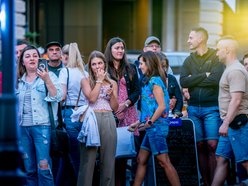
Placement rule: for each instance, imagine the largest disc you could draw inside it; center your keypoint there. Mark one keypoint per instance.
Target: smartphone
(42, 64)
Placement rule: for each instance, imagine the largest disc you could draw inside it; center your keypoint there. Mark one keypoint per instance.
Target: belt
(68, 107)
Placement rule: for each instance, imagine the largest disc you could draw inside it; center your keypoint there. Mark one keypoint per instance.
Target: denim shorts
(235, 144)
(207, 122)
(155, 139)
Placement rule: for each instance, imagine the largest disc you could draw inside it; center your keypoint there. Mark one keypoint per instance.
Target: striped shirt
(27, 109)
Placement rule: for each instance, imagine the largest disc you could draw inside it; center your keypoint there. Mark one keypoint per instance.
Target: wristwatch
(126, 104)
(150, 122)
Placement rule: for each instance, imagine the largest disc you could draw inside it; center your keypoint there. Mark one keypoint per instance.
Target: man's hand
(223, 130)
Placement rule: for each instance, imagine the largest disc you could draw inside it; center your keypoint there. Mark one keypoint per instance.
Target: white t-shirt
(75, 77)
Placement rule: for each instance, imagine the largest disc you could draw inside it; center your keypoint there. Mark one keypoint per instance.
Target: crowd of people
(142, 96)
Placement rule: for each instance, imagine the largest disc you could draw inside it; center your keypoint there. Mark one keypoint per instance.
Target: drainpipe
(10, 154)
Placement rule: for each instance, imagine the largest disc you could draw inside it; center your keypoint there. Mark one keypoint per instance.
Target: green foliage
(31, 37)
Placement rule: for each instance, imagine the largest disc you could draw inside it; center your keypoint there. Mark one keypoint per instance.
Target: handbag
(125, 143)
(60, 142)
(238, 121)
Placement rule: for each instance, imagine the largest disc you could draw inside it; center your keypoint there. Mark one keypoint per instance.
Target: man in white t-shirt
(233, 104)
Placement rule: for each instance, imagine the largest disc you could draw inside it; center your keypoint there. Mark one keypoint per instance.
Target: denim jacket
(39, 99)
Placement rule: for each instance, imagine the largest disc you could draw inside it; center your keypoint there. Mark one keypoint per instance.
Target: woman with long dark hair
(126, 76)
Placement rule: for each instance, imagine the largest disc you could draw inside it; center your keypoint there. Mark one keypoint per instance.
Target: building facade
(91, 23)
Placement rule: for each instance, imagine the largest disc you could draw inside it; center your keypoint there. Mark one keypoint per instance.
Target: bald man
(200, 74)
(233, 101)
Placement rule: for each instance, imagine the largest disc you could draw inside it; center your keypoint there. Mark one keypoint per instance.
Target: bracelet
(150, 122)
(98, 81)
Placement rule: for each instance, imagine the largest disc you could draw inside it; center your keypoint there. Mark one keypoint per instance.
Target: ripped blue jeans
(35, 141)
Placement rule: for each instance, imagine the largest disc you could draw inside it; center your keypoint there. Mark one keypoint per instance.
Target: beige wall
(20, 18)
(188, 17)
(142, 23)
(83, 24)
(211, 18)
(235, 24)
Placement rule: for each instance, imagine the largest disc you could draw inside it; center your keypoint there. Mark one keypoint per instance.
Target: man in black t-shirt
(200, 75)
(54, 53)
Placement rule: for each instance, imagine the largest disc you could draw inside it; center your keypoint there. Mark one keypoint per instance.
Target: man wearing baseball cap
(54, 53)
(152, 43)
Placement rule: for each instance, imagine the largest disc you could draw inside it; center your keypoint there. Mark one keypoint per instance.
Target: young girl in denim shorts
(154, 115)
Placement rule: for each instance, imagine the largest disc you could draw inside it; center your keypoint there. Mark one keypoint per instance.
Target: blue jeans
(35, 141)
(72, 129)
(206, 121)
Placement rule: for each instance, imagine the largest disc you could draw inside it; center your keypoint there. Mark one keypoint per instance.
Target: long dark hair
(124, 65)
(21, 69)
(164, 62)
(154, 67)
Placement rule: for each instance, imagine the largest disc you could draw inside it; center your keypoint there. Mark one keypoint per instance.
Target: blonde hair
(65, 49)
(74, 56)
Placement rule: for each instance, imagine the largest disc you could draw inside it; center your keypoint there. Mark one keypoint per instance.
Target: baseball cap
(55, 43)
(151, 39)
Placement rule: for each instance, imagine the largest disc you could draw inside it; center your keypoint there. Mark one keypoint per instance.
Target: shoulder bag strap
(50, 110)
(67, 84)
(60, 118)
(79, 93)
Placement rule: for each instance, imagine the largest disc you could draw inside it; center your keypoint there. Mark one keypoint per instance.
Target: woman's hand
(114, 97)
(43, 74)
(120, 113)
(121, 108)
(132, 127)
(100, 75)
(144, 126)
(109, 92)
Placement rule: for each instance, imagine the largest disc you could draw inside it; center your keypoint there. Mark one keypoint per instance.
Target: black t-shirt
(55, 70)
